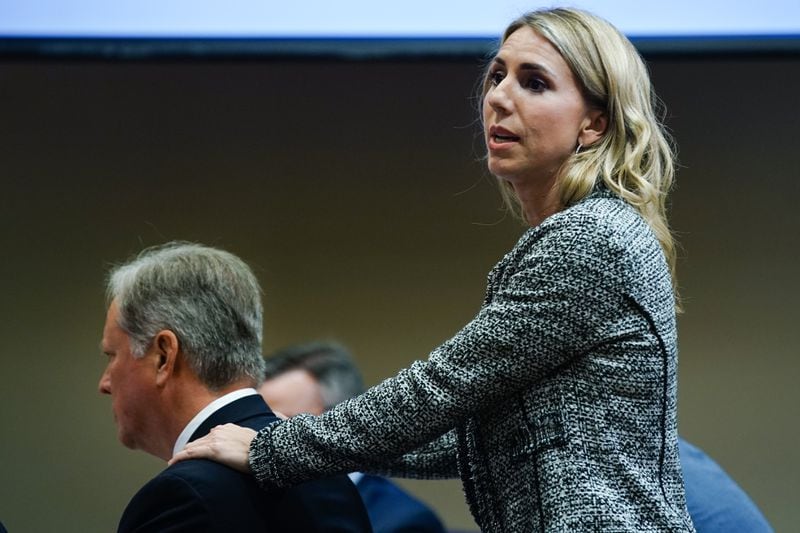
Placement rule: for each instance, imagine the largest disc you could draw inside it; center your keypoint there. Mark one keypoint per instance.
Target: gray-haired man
(183, 341)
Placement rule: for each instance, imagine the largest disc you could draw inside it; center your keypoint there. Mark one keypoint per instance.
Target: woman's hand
(228, 444)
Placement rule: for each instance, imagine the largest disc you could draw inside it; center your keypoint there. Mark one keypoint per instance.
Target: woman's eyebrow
(526, 66)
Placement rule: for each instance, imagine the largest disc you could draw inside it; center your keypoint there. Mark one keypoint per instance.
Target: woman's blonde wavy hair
(635, 156)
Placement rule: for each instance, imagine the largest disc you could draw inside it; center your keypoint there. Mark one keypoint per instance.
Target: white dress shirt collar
(207, 411)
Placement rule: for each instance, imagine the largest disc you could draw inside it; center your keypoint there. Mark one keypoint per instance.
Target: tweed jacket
(556, 404)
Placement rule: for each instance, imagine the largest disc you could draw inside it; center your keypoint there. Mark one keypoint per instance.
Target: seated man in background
(312, 378)
(183, 341)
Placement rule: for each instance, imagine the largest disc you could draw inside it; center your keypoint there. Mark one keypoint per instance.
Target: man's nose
(104, 387)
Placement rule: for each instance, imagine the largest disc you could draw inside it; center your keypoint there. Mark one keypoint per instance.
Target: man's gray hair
(329, 363)
(209, 298)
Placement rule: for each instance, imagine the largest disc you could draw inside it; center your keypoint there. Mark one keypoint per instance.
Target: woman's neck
(538, 200)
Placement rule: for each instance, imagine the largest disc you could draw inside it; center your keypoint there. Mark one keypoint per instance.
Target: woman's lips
(500, 137)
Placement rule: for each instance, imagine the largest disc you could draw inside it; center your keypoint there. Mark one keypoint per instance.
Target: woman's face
(534, 114)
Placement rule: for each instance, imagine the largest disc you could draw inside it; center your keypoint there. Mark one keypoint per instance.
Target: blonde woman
(556, 404)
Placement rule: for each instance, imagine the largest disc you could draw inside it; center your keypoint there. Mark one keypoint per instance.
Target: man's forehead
(293, 377)
(294, 391)
(110, 328)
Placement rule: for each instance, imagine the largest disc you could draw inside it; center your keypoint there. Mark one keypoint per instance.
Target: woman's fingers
(228, 444)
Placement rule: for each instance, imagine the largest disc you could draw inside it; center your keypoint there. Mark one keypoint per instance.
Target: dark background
(357, 191)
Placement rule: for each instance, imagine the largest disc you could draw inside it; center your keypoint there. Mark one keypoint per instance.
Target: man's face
(293, 392)
(131, 383)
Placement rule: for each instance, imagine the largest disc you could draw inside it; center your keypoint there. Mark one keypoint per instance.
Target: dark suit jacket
(393, 510)
(203, 496)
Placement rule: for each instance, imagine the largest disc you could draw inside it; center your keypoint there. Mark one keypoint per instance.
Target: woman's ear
(594, 127)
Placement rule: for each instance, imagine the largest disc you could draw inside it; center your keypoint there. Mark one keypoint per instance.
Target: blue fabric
(715, 502)
(392, 510)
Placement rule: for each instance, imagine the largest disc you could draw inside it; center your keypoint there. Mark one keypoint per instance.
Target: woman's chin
(502, 169)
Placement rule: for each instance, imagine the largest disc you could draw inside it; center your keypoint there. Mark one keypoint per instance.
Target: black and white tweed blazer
(556, 404)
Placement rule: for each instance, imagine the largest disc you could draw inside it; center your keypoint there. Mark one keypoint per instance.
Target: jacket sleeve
(546, 306)
(434, 460)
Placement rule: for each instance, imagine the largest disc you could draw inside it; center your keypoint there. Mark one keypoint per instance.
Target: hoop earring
(578, 149)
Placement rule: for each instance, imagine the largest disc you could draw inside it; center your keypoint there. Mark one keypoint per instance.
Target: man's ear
(166, 347)
(594, 127)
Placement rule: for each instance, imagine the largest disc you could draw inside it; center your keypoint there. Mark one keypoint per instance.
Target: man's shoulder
(382, 487)
(204, 475)
(165, 499)
(715, 501)
(202, 495)
(393, 509)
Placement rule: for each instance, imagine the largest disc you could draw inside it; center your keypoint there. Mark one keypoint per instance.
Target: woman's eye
(536, 84)
(496, 77)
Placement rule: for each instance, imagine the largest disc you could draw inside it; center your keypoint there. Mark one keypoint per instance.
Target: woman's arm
(435, 460)
(230, 444)
(551, 303)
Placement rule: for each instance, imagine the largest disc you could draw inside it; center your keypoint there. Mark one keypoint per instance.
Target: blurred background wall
(357, 192)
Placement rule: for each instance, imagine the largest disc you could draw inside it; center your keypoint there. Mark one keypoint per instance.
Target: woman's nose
(499, 99)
